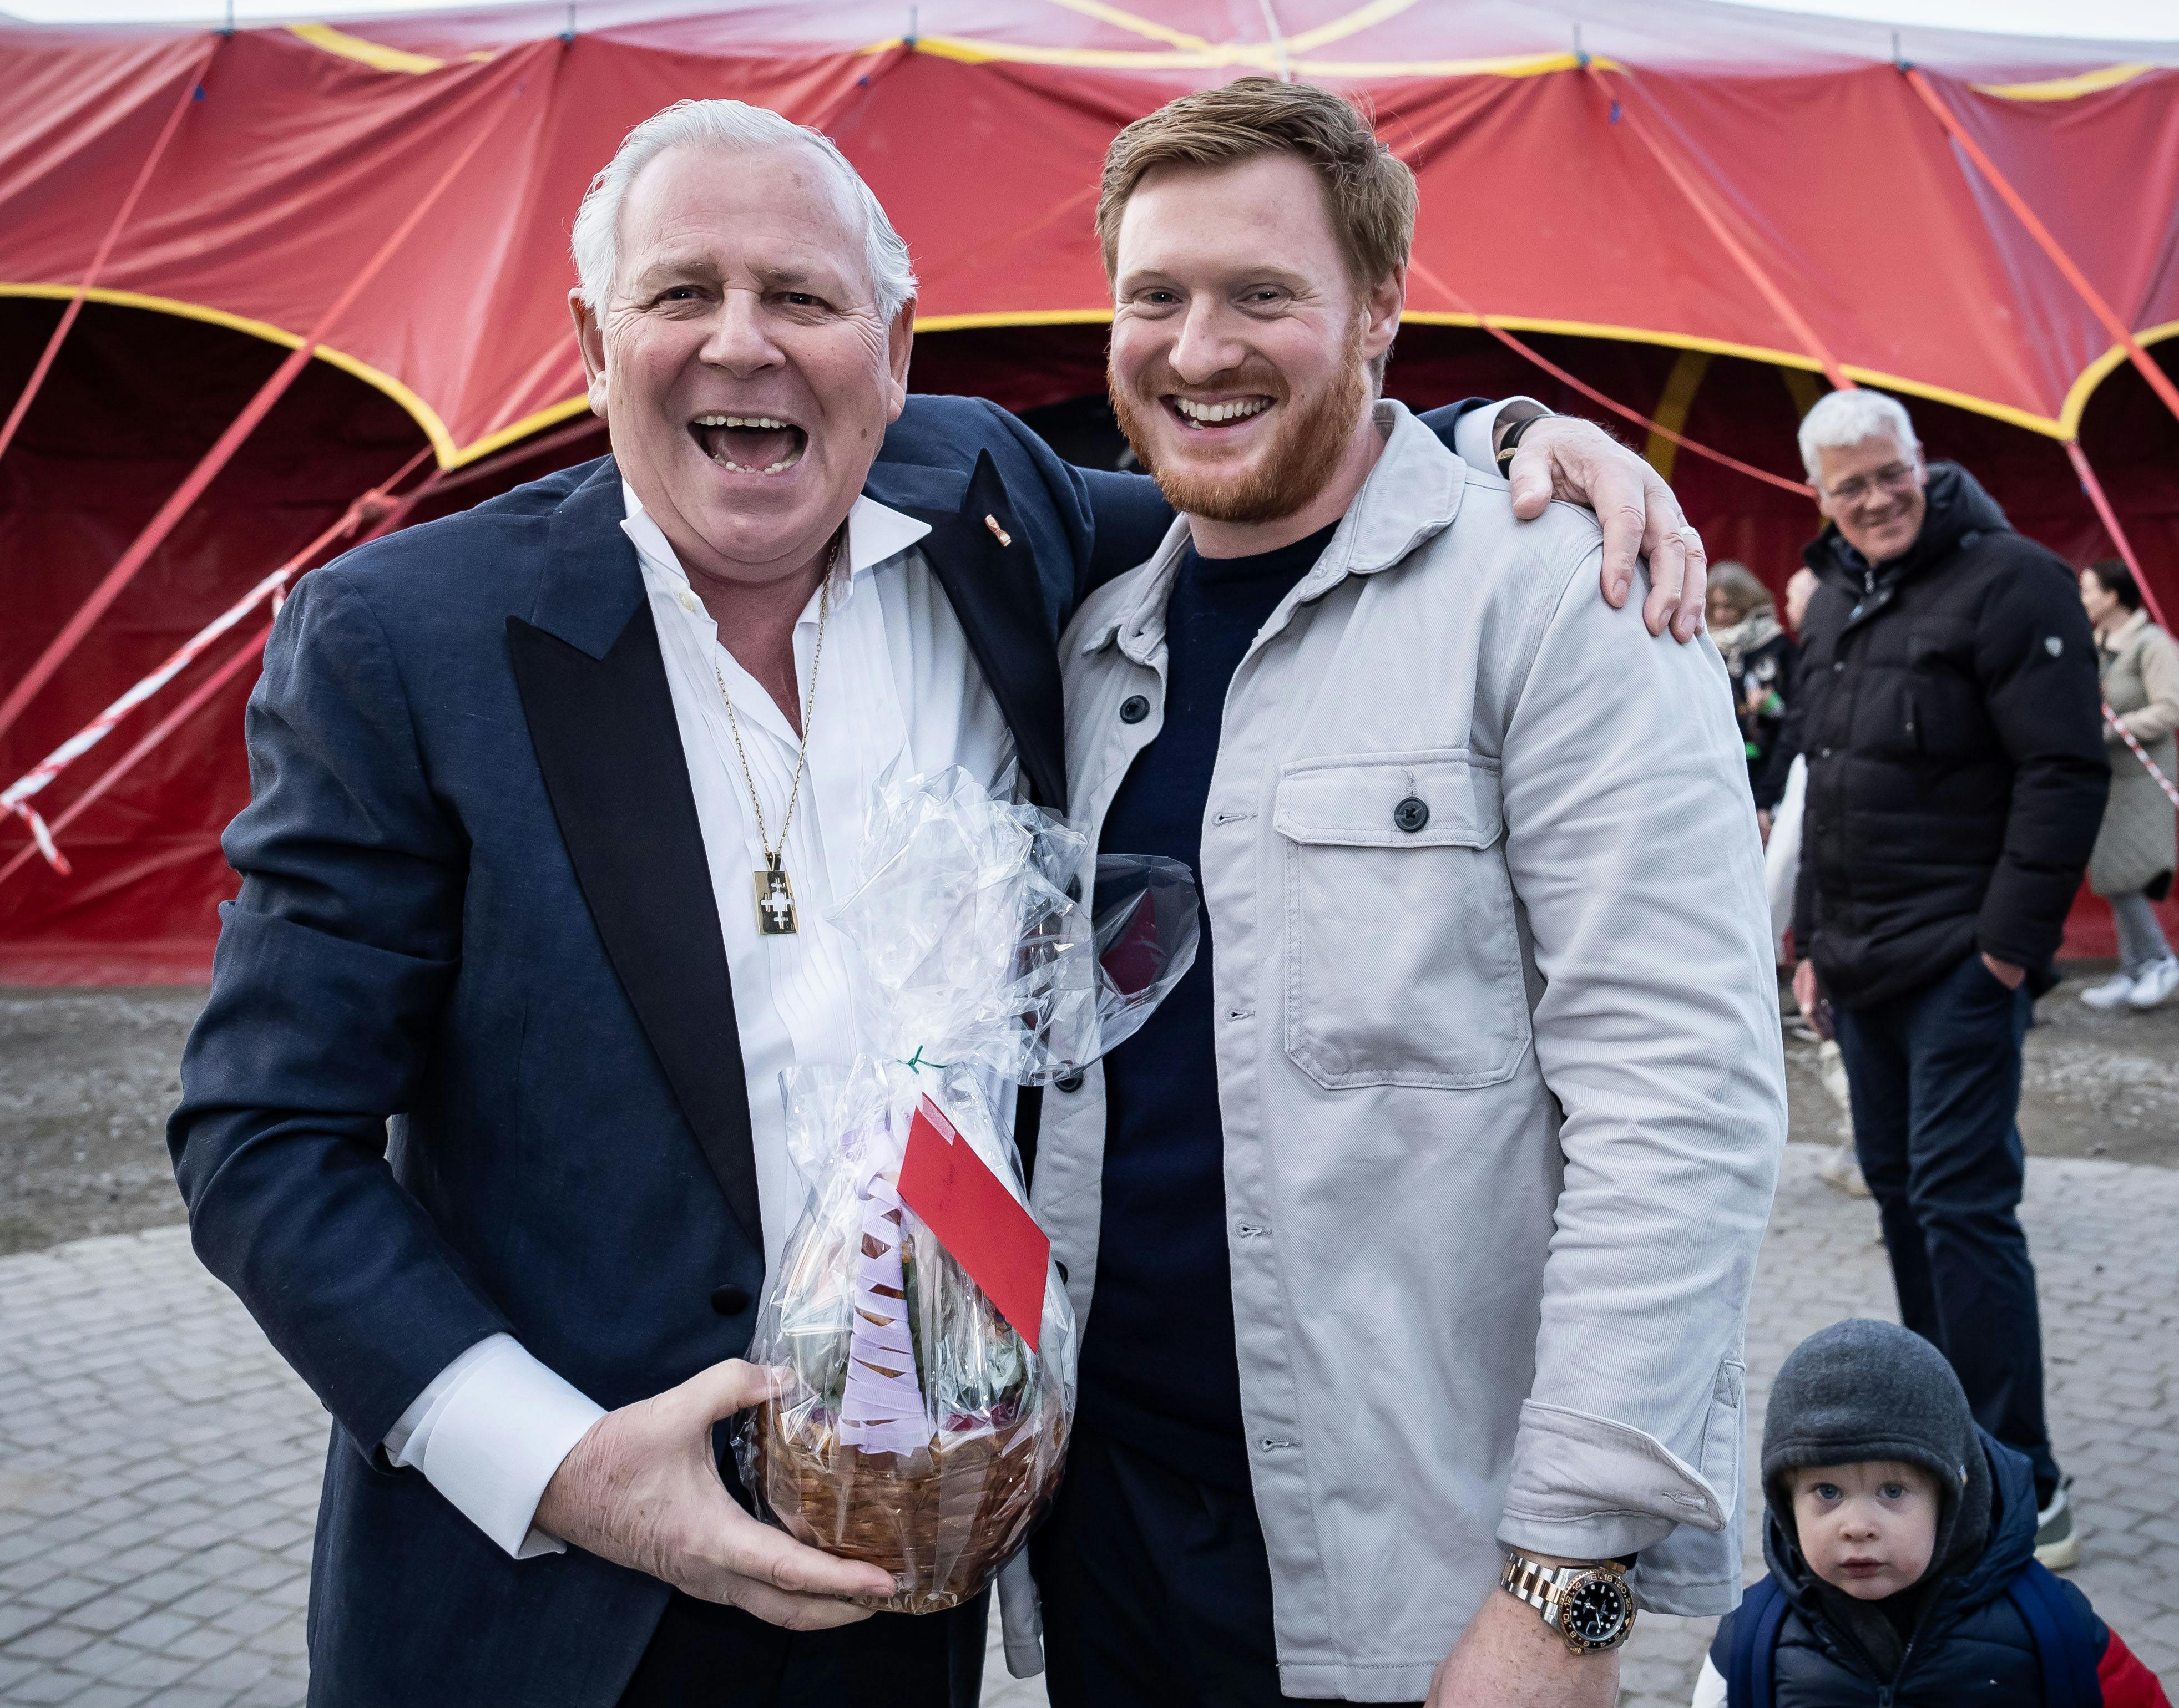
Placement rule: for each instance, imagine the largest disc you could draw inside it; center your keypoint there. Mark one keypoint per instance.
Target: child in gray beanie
(1901, 1541)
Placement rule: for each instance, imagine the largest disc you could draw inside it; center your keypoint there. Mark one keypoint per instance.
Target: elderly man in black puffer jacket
(1948, 711)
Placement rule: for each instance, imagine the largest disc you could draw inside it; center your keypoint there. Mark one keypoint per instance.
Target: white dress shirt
(896, 681)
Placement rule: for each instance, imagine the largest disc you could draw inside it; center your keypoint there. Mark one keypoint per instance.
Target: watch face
(1596, 1610)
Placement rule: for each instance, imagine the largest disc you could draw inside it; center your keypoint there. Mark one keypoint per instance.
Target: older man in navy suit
(548, 800)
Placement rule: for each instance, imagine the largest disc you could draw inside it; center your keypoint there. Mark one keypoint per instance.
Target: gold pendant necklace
(775, 895)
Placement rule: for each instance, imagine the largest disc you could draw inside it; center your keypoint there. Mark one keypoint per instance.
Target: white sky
(2143, 19)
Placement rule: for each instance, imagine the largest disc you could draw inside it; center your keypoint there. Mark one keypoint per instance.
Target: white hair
(729, 125)
(1840, 419)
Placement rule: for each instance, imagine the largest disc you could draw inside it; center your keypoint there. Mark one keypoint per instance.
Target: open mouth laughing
(759, 445)
(1200, 417)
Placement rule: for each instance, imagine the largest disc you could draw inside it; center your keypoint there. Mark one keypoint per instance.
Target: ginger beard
(1287, 474)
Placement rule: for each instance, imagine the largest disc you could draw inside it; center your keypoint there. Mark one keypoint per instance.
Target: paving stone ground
(159, 1465)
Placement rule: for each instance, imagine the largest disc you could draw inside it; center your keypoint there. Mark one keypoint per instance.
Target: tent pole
(105, 248)
(1740, 253)
(1589, 392)
(2158, 381)
(186, 495)
(2109, 516)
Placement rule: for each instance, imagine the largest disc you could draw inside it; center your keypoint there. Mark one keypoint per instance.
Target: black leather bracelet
(1511, 442)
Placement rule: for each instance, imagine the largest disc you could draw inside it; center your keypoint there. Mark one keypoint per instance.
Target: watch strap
(1544, 1587)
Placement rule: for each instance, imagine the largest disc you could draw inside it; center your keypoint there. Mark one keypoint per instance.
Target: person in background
(1901, 1543)
(1761, 659)
(1948, 710)
(1781, 873)
(2131, 865)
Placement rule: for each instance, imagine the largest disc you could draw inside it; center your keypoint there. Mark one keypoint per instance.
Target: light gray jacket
(1499, 1065)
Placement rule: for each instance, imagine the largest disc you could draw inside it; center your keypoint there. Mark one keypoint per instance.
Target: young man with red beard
(1413, 1235)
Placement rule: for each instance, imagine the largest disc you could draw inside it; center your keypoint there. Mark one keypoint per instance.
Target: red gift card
(976, 1219)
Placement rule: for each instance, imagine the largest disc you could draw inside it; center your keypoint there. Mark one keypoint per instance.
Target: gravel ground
(87, 1078)
(2095, 1085)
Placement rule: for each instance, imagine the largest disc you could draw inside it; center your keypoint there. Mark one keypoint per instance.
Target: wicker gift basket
(924, 1426)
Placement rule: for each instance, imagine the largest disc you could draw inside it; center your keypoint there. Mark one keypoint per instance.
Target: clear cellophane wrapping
(920, 1431)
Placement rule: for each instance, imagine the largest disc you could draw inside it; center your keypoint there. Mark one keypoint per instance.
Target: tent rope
(1740, 253)
(1589, 392)
(2158, 381)
(186, 495)
(2109, 517)
(189, 87)
(377, 509)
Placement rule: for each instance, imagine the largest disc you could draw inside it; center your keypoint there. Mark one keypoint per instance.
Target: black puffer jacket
(1947, 707)
(1965, 1642)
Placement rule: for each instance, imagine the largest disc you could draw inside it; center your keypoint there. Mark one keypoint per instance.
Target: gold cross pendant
(775, 903)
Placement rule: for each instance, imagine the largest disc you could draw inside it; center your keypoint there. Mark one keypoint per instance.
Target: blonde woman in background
(2131, 865)
(1761, 659)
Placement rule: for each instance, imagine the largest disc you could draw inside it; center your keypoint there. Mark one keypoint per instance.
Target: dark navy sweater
(1159, 1372)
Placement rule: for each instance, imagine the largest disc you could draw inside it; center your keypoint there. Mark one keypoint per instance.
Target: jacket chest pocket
(1404, 963)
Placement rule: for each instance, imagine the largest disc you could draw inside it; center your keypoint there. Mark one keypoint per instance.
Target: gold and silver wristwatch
(1589, 1607)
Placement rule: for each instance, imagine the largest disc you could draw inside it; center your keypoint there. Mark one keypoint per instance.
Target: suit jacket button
(1133, 710)
(1412, 813)
(730, 1301)
(1072, 1083)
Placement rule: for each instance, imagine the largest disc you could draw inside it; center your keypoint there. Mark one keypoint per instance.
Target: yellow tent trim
(2093, 376)
(435, 429)
(1128, 21)
(376, 55)
(2066, 88)
(1361, 18)
(1252, 56)
(449, 455)
(1050, 317)
(1681, 386)
(551, 416)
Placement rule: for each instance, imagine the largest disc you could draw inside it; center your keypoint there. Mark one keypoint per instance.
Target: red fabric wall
(138, 396)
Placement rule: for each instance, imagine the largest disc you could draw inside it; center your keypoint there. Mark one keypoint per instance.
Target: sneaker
(2112, 993)
(2057, 1546)
(2156, 981)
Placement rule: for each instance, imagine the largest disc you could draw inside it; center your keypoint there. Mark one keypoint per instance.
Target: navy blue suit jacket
(470, 1062)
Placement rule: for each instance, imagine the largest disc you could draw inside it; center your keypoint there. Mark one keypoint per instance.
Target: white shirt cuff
(488, 1431)
(1473, 433)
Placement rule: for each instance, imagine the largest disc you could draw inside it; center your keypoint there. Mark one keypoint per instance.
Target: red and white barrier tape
(2147, 764)
(373, 506)
(14, 798)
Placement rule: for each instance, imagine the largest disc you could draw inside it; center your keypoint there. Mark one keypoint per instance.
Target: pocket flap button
(1412, 813)
(1133, 710)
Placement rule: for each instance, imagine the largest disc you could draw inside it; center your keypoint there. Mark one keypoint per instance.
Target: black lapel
(603, 728)
(995, 592)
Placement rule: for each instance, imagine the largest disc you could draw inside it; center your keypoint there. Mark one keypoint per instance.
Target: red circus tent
(1703, 214)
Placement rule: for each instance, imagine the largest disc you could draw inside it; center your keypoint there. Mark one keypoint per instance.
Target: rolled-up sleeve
(1633, 853)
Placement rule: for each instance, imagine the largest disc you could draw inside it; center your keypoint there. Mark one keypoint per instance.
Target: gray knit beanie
(1863, 1390)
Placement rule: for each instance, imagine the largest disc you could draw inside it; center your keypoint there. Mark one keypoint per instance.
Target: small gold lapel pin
(998, 533)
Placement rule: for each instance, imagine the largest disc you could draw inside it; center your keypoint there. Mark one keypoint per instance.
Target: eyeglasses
(1893, 477)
